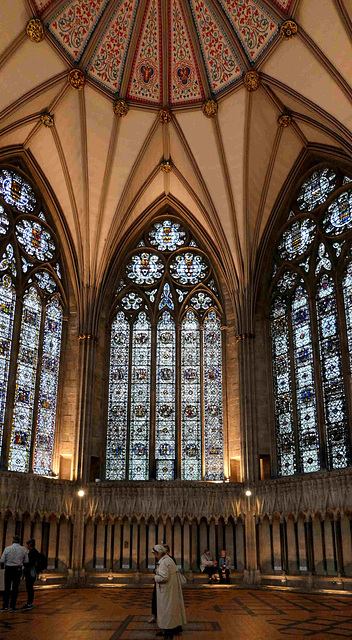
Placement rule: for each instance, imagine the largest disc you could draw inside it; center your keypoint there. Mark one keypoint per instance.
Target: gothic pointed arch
(165, 398)
(32, 306)
(309, 308)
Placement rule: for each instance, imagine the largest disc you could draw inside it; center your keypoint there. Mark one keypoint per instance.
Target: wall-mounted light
(248, 493)
(80, 493)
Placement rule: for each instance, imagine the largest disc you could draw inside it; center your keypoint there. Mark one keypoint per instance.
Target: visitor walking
(171, 615)
(30, 572)
(208, 565)
(13, 557)
(224, 568)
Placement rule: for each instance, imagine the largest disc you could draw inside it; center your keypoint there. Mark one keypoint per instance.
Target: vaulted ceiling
(227, 170)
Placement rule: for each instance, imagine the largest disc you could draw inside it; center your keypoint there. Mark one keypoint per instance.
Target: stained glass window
(308, 437)
(188, 268)
(48, 387)
(287, 463)
(311, 412)
(339, 215)
(212, 367)
(7, 310)
(35, 240)
(165, 398)
(140, 399)
(28, 407)
(331, 371)
(145, 268)
(316, 189)
(296, 239)
(116, 450)
(162, 428)
(20, 442)
(167, 235)
(16, 191)
(191, 432)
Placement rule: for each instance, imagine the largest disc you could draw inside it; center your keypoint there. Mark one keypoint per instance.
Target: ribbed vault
(228, 171)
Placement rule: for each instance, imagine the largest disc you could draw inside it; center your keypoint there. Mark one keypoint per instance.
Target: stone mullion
(318, 380)
(178, 407)
(225, 426)
(152, 427)
(247, 406)
(11, 384)
(129, 402)
(37, 384)
(293, 388)
(345, 358)
(202, 421)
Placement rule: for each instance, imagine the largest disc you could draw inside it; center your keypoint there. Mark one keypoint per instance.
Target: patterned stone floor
(213, 614)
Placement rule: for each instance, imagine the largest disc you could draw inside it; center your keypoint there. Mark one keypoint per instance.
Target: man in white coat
(171, 615)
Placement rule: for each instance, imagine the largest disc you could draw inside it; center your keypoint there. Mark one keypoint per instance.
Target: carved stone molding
(77, 79)
(35, 30)
(165, 116)
(47, 120)
(244, 336)
(166, 166)
(284, 120)
(252, 80)
(121, 108)
(210, 108)
(288, 29)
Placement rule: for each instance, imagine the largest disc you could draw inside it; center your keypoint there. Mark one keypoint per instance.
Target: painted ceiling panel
(339, 48)
(308, 77)
(73, 25)
(221, 62)
(145, 83)
(253, 24)
(108, 60)
(100, 121)
(29, 66)
(38, 104)
(45, 152)
(288, 151)
(185, 82)
(131, 136)
(262, 134)
(200, 135)
(284, 5)
(70, 133)
(17, 136)
(42, 5)
(178, 191)
(234, 110)
(13, 15)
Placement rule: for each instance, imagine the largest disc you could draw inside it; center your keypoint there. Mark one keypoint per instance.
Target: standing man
(208, 565)
(14, 557)
(171, 615)
(30, 572)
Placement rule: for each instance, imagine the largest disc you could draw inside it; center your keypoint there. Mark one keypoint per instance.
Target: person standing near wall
(14, 558)
(30, 572)
(171, 615)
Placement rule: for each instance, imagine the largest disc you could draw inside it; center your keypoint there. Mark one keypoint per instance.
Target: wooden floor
(213, 614)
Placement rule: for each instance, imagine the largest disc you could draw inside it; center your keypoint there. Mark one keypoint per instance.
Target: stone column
(86, 362)
(52, 544)
(329, 547)
(277, 544)
(186, 546)
(265, 547)
(318, 547)
(117, 547)
(229, 542)
(346, 545)
(302, 550)
(291, 547)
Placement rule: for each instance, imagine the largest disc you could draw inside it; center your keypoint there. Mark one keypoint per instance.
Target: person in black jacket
(30, 573)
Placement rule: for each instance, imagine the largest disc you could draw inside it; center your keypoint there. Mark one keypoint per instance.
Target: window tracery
(167, 426)
(311, 412)
(30, 347)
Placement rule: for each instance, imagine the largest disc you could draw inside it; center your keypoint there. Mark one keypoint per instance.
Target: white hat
(158, 548)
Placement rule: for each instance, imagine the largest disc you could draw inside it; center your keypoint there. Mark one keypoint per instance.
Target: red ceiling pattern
(201, 49)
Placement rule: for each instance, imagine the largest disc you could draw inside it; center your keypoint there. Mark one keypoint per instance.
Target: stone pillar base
(251, 576)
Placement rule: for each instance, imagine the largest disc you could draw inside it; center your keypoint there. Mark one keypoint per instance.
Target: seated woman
(224, 568)
(208, 565)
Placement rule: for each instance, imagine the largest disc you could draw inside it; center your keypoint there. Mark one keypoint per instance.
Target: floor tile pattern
(213, 614)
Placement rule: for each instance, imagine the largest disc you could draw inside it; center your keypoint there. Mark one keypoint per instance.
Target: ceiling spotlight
(248, 493)
(80, 493)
